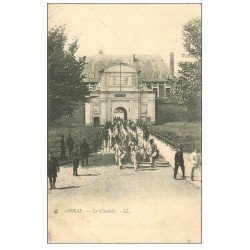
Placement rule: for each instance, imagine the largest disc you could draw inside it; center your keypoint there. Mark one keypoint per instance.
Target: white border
(225, 127)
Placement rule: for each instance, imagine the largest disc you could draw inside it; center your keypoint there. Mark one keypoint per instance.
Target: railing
(166, 138)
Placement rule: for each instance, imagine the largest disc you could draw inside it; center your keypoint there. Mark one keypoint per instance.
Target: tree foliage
(189, 79)
(65, 75)
(192, 38)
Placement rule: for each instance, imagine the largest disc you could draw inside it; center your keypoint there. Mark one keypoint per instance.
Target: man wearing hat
(84, 148)
(70, 144)
(153, 152)
(179, 161)
(52, 169)
(75, 161)
(135, 154)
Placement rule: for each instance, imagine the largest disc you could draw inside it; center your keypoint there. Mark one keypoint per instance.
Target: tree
(189, 79)
(65, 75)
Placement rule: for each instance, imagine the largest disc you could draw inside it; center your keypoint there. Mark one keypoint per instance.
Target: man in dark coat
(52, 169)
(70, 144)
(75, 161)
(179, 161)
(63, 148)
(84, 148)
(145, 133)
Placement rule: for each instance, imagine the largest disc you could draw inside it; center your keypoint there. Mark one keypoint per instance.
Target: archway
(120, 113)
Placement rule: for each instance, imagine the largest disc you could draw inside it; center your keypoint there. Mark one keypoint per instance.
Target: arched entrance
(120, 113)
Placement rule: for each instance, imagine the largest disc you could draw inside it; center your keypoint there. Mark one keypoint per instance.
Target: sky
(125, 28)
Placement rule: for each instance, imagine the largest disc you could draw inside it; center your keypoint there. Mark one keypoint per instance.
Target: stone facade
(119, 90)
(138, 77)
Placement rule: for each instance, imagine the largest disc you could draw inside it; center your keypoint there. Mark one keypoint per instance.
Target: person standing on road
(63, 148)
(105, 139)
(135, 155)
(70, 144)
(179, 161)
(84, 148)
(155, 153)
(144, 149)
(75, 161)
(152, 152)
(52, 169)
(149, 150)
(122, 156)
(118, 153)
(117, 150)
(196, 160)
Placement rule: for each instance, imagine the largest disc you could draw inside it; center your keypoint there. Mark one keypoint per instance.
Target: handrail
(168, 139)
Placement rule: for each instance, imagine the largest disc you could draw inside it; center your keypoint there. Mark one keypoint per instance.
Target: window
(91, 85)
(114, 81)
(156, 91)
(155, 76)
(125, 81)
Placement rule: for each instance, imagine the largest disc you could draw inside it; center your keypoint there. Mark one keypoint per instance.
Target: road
(105, 204)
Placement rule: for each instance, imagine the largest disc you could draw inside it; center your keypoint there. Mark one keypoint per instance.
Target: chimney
(135, 59)
(171, 63)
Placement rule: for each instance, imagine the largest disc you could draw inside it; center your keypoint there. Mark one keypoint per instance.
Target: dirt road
(105, 204)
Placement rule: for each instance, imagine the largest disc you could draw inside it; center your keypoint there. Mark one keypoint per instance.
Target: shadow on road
(125, 166)
(147, 169)
(88, 174)
(68, 187)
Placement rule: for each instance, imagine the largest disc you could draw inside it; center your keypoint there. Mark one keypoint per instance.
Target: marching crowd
(130, 143)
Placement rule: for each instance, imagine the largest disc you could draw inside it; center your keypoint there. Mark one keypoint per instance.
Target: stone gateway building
(134, 87)
(124, 86)
(119, 93)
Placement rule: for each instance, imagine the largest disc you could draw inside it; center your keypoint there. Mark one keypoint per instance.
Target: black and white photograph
(124, 123)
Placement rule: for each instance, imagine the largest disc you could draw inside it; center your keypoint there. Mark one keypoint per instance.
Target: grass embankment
(185, 134)
(91, 134)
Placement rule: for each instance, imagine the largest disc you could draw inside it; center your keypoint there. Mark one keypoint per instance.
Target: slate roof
(152, 67)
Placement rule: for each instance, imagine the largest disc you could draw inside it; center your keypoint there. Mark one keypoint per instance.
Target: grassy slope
(186, 134)
(77, 132)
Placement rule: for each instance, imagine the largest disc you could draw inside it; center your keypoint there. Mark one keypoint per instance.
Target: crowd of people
(76, 153)
(130, 143)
